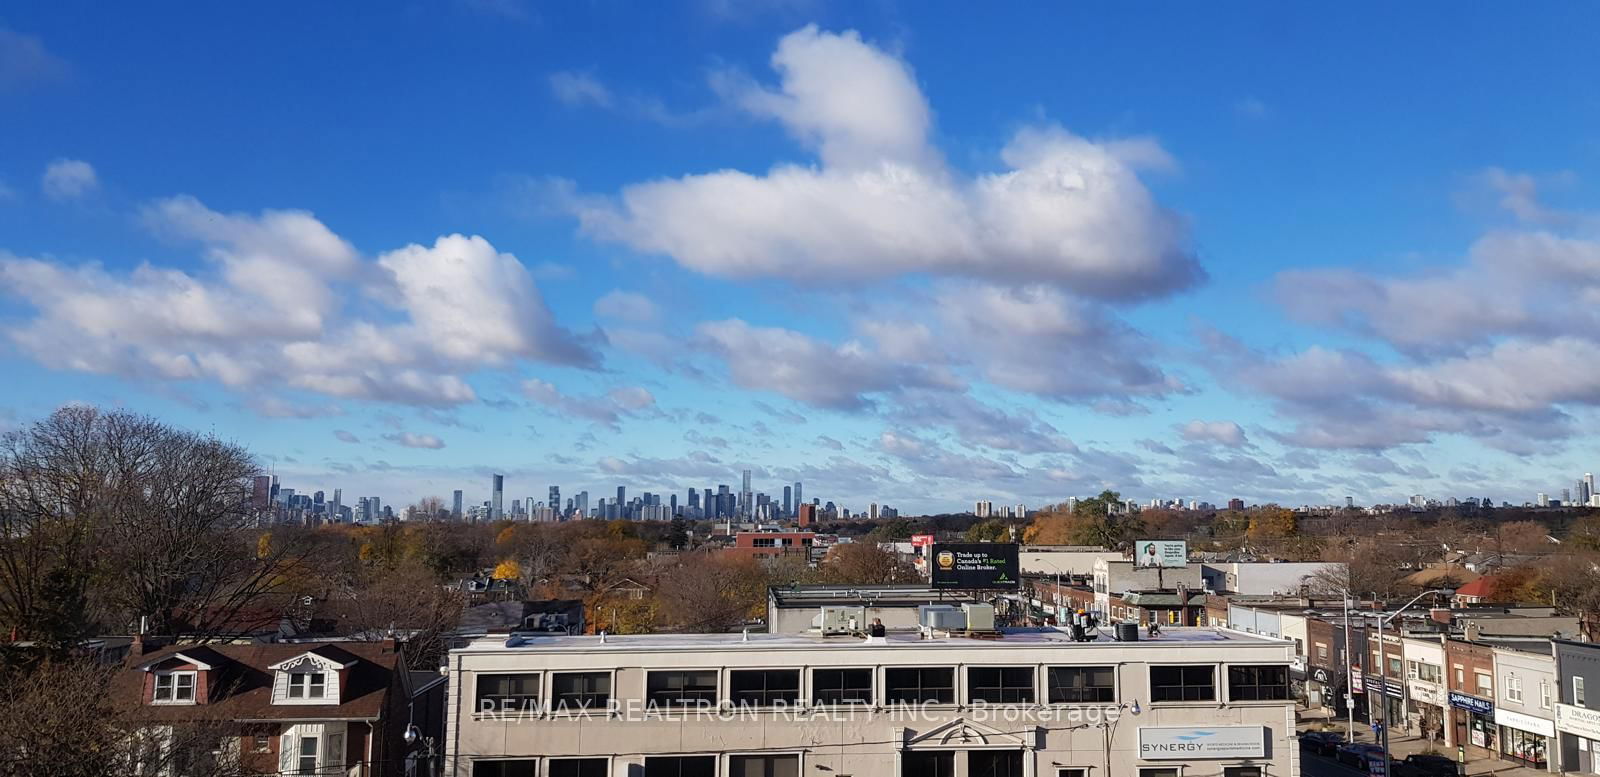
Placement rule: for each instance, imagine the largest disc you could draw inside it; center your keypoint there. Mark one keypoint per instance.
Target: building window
(1544, 694)
(1159, 771)
(518, 768)
(1485, 683)
(174, 687)
(764, 766)
(1072, 772)
(1513, 688)
(1241, 771)
(308, 755)
(307, 685)
(579, 767)
(1183, 683)
(1322, 652)
(1081, 684)
(1577, 692)
(1000, 685)
(578, 691)
(260, 743)
(1394, 666)
(994, 763)
(927, 764)
(1258, 683)
(681, 766)
(917, 686)
(764, 687)
(841, 686)
(1432, 673)
(498, 692)
(682, 689)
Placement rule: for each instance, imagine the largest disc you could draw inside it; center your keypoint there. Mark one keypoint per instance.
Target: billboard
(1173, 743)
(1160, 553)
(975, 565)
(921, 540)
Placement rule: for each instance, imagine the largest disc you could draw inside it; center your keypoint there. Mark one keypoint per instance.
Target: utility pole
(1350, 677)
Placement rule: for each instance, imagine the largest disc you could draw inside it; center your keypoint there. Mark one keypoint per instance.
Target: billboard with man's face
(1160, 553)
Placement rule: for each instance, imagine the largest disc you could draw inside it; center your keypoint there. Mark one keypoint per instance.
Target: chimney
(143, 644)
(390, 644)
(1440, 615)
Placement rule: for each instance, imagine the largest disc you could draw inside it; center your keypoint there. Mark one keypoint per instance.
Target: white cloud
(411, 440)
(1066, 211)
(69, 179)
(575, 88)
(25, 62)
(808, 370)
(627, 306)
(1224, 432)
(272, 308)
(344, 436)
(607, 410)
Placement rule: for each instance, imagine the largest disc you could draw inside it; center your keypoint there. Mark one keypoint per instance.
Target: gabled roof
(242, 689)
(202, 656)
(1483, 587)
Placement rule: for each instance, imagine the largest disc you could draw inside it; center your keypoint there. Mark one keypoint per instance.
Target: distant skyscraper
(798, 499)
(335, 508)
(708, 505)
(788, 503)
(622, 496)
(455, 505)
(555, 498)
(746, 506)
(497, 499)
(261, 492)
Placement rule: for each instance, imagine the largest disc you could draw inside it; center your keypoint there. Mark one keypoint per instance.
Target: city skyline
(845, 246)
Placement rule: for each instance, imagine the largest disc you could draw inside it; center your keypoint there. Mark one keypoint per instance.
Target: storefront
(1579, 729)
(1387, 700)
(1524, 739)
(1428, 704)
(1475, 724)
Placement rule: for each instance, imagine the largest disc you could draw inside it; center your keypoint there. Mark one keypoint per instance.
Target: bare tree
(406, 602)
(712, 594)
(77, 719)
(157, 519)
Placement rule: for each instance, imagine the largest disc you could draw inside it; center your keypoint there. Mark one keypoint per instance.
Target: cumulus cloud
(808, 370)
(607, 410)
(1222, 432)
(1065, 210)
(270, 308)
(69, 179)
(929, 459)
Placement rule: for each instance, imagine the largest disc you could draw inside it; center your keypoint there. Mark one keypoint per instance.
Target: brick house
(311, 708)
(1470, 676)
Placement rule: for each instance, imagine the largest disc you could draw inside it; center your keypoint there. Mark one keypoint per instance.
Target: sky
(919, 254)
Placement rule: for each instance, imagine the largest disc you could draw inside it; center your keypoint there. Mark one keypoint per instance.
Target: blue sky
(911, 254)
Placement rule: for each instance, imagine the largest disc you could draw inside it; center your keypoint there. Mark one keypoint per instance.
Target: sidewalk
(1402, 746)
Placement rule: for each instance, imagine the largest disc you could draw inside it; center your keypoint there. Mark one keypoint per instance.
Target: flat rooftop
(902, 595)
(1010, 638)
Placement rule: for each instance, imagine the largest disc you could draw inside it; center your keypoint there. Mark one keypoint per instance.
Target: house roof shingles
(241, 685)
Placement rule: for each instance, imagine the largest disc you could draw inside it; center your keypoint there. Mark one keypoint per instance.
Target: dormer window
(174, 688)
(308, 685)
(314, 677)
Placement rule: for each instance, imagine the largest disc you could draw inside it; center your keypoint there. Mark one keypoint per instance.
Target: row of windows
(902, 685)
(980, 763)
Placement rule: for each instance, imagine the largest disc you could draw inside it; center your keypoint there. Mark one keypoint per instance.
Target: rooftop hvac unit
(979, 617)
(842, 620)
(944, 617)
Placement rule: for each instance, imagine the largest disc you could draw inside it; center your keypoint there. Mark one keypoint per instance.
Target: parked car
(1425, 766)
(1321, 742)
(1357, 753)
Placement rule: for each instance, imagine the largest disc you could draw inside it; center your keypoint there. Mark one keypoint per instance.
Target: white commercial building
(1030, 703)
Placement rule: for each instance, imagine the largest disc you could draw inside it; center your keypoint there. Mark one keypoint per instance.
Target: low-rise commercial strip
(1031, 703)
